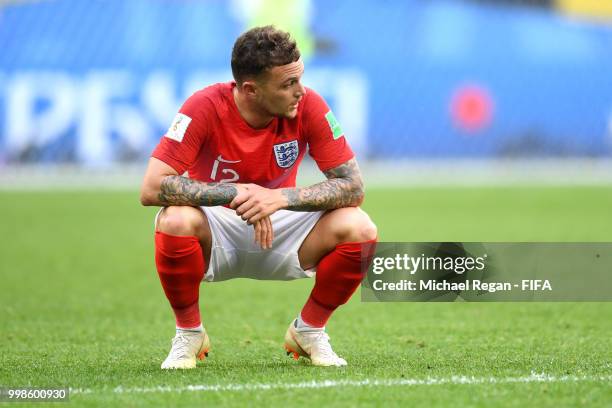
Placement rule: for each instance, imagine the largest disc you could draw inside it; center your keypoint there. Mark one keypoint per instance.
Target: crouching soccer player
(239, 213)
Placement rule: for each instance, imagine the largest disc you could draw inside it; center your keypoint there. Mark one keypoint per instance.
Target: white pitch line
(399, 382)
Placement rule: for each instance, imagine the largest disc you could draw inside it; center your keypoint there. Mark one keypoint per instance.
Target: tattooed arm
(343, 188)
(163, 186)
(178, 190)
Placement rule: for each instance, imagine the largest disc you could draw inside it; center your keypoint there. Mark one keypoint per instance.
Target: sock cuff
(176, 245)
(357, 245)
(355, 250)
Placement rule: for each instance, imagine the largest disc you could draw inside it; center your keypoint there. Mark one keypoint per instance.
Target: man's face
(279, 90)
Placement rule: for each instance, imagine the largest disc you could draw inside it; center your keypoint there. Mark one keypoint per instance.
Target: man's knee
(354, 225)
(180, 220)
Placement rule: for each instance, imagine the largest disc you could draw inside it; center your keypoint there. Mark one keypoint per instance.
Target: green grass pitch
(81, 306)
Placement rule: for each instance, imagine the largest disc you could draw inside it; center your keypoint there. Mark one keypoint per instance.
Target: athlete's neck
(252, 114)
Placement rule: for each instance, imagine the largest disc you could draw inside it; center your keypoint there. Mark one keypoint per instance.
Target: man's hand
(254, 203)
(264, 233)
(248, 198)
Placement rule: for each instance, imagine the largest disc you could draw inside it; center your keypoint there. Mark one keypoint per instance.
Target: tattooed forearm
(178, 190)
(343, 188)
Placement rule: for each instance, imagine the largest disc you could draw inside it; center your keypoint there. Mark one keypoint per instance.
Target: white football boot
(186, 347)
(312, 344)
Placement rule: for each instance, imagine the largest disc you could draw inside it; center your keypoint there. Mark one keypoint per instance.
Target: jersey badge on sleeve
(286, 153)
(334, 125)
(178, 127)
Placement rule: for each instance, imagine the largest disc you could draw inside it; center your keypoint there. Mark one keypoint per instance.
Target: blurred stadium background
(447, 103)
(448, 91)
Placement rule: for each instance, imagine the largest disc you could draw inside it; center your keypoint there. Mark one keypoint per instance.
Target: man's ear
(249, 88)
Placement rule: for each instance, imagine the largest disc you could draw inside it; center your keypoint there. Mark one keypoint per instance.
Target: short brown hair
(261, 48)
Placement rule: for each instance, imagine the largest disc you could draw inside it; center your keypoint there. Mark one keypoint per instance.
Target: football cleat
(186, 347)
(312, 344)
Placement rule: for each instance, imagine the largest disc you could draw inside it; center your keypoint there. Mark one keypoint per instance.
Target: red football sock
(339, 273)
(180, 266)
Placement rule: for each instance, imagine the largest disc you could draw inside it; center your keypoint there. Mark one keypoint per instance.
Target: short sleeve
(187, 134)
(326, 141)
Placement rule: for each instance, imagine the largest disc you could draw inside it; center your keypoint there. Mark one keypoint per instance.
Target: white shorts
(234, 253)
